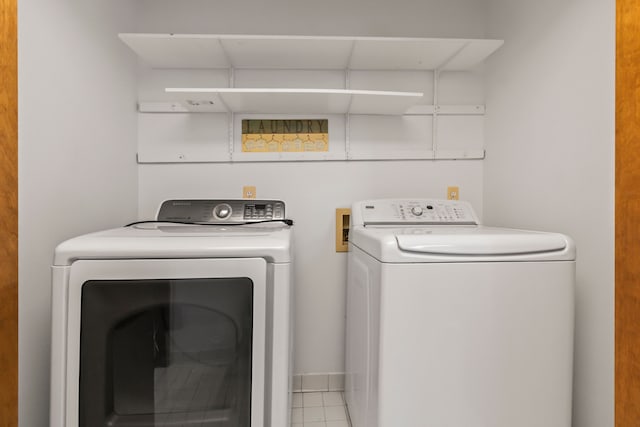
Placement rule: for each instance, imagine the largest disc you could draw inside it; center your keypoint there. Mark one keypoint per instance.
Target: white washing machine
(453, 324)
(182, 321)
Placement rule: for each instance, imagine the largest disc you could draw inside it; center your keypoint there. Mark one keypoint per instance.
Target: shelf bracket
(436, 107)
(232, 77)
(347, 117)
(231, 135)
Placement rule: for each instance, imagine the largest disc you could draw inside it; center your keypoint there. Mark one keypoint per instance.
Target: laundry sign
(286, 136)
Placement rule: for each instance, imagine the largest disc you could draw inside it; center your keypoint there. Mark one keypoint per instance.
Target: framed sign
(285, 136)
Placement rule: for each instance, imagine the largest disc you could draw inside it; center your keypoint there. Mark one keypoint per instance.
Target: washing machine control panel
(221, 211)
(417, 211)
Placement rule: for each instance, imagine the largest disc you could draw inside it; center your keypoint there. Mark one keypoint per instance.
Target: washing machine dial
(222, 211)
(416, 210)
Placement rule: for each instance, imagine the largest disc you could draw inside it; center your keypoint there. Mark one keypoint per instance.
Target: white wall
(433, 18)
(313, 190)
(550, 164)
(77, 165)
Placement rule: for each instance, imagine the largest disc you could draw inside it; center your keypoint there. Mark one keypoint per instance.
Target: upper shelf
(308, 52)
(287, 100)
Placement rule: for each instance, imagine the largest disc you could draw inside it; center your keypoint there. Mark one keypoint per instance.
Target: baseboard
(318, 382)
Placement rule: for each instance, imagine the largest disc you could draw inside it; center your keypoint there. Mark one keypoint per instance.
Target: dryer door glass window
(166, 353)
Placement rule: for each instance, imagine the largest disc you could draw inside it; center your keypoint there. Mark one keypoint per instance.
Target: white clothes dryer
(180, 321)
(450, 323)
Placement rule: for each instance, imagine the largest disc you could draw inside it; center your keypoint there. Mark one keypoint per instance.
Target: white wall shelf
(308, 102)
(301, 101)
(308, 52)
(303, 75)
(240, 157)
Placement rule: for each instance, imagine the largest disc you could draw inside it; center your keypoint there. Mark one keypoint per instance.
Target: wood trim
(627, 264)
(8, 214)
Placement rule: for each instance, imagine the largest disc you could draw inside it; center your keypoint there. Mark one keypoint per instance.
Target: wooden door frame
(8, 214)
(627, 216)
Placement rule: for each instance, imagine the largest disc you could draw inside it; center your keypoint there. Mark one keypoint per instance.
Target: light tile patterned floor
(319, 409)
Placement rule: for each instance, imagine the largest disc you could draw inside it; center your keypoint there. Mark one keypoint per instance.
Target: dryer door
(166, 342)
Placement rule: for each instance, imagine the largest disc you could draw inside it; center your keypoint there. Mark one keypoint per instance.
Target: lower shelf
(314, 157)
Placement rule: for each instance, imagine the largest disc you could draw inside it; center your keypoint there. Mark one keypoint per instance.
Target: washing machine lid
(482, 241)
(460, 244)
(431, 230)
(271, 241)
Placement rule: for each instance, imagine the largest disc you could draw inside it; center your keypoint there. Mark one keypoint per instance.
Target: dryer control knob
(222, 211)
(416, 210)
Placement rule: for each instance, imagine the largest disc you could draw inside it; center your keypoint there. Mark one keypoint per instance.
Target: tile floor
(319, 409)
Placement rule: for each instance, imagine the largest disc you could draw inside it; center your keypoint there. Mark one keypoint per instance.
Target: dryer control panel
(221, 211)
(414, 212)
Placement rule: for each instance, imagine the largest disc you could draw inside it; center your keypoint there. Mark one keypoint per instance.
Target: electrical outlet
(343, 216)
(453, 193)
(249, 192)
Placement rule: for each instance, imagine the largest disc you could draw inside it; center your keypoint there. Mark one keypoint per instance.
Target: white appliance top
(214, 233)
(426, 230)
